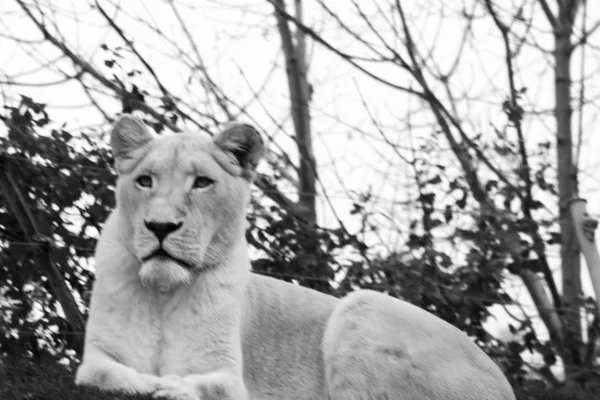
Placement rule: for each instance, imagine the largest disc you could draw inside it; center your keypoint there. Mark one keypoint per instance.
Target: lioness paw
(172, 387)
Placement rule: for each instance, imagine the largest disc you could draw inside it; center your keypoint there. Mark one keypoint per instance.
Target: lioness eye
(144, 181)
(202, 182)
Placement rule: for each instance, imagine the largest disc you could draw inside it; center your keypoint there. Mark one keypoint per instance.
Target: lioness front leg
(102, 371)
(218, 385)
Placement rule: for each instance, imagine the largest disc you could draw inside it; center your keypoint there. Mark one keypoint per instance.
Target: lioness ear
(128, 139)
(244, 146)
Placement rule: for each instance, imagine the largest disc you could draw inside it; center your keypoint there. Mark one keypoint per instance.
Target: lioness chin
(176, 313)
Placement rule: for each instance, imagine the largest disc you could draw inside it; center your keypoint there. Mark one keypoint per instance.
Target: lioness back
(376, 345)
(367, 345)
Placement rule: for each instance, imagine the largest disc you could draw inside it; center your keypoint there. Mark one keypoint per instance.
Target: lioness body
(176, 311)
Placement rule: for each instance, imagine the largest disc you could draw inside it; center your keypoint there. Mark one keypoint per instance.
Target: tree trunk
(567, 178)
(585, 226)
(295, 59)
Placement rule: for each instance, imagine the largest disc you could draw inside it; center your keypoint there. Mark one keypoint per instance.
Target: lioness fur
(192, 322)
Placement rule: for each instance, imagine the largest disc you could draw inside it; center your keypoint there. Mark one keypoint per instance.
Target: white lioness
(177, 313)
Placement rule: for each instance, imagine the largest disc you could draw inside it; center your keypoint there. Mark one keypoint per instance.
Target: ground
(25, 380)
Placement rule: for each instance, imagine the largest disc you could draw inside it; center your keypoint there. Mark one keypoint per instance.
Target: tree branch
(221, 99)
(549, 15)
(167, 95)
(349, 58)
(261, 181)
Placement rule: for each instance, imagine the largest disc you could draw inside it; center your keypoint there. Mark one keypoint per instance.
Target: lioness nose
(162, 229)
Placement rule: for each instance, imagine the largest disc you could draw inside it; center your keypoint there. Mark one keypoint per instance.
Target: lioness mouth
(160, 252)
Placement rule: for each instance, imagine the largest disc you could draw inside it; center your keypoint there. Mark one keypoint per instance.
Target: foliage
(509, 223)
(68, 183)
(296, 252)
(67, 187)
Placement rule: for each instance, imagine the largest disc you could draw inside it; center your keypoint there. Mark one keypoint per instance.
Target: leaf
(503, 150)
(462, 202)
(529, 340)
(491, 184)
(427, 198)
(555, 238)
(448, 214)
(356, 208)
(435, 222)
(536, 205)
(435, 180)
(550, 357)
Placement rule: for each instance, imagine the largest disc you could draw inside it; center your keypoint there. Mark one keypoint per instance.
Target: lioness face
(183, 197)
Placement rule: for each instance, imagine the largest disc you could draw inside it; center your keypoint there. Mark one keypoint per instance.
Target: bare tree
(500, 162)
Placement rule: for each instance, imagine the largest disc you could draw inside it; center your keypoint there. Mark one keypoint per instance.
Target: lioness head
(182, 198)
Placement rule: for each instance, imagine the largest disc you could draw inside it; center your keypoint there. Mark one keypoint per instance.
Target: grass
(537, 391)
(24, 380)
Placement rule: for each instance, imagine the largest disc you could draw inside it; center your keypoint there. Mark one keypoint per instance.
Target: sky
(240, 48)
